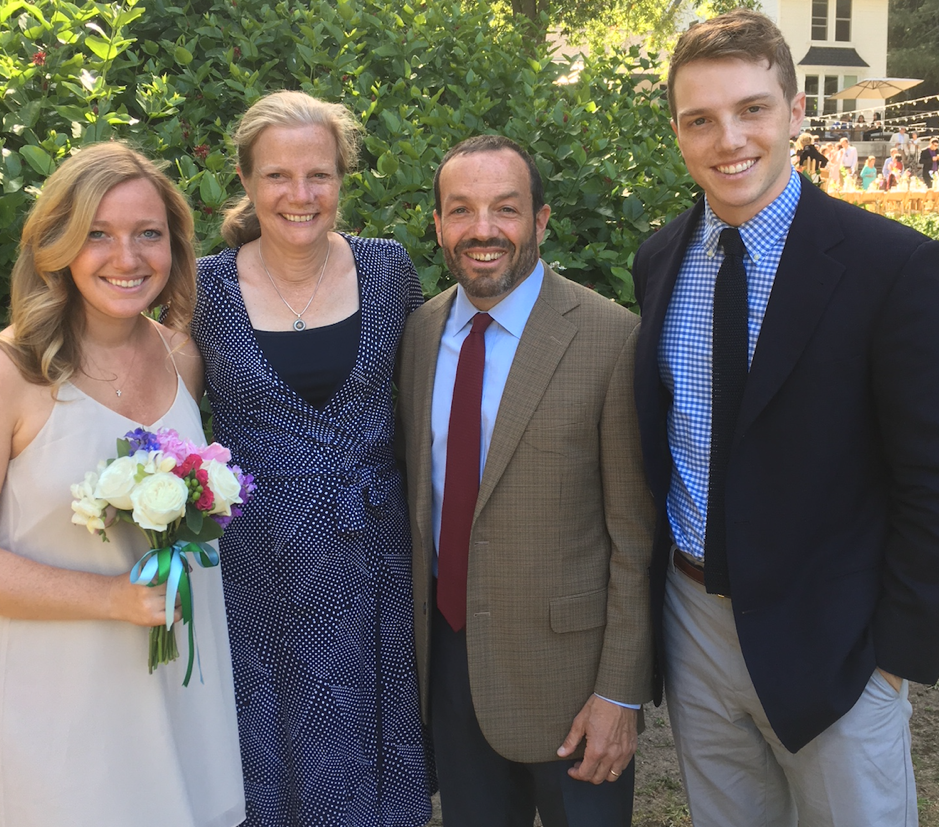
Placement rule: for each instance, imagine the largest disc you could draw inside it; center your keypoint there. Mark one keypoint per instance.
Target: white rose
(116, 483)
(224, 485)
(159, 500)
(88, 509)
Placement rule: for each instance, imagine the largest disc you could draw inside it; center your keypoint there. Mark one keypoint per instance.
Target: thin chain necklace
(299, 324)
(130, 372)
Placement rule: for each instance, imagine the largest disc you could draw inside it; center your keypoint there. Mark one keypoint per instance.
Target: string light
(915, 119)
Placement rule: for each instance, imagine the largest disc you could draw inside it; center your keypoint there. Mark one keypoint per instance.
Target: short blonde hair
(45, 303)
(286, 109)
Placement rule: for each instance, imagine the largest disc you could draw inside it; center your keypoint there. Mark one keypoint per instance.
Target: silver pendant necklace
(130, 372)
(299, 324)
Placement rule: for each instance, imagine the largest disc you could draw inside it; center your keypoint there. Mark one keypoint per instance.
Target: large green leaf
(38, 159)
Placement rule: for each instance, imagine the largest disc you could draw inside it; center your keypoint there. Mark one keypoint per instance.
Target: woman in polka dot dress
(298, 327)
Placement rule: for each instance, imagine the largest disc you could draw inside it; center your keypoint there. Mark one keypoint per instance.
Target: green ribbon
(170, 565)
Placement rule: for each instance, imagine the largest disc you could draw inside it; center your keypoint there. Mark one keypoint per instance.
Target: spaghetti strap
(159, 330)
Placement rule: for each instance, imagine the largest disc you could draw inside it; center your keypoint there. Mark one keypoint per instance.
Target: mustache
(497, 243)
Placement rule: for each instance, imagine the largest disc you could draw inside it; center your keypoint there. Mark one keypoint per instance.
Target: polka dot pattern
(317, 571)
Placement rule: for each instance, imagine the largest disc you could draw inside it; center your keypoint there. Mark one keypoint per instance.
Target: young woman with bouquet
(88, 737)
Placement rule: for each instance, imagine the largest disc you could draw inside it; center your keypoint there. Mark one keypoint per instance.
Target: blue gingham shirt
(685, 349)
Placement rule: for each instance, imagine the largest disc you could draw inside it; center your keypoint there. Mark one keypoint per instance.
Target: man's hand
(611, 736)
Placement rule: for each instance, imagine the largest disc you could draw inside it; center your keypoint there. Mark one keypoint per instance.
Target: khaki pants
(857, 773)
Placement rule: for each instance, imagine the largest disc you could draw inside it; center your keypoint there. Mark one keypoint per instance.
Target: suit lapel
(661, 275)
(805, 280)
(427, 335)
(544, 341)
(652, 398)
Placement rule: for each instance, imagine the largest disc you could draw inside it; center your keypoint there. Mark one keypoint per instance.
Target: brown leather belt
(686, 567)
(689, 569)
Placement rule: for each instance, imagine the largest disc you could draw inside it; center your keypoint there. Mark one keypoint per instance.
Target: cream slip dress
(88, 738)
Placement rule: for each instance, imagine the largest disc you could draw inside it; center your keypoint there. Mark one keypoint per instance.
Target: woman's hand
(140, 605)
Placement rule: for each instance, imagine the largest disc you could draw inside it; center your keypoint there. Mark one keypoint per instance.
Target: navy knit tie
(729, 365)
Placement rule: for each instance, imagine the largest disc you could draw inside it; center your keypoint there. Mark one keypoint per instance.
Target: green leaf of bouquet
(123, 448)
(183, 534)
(194, 519)
(211, 530)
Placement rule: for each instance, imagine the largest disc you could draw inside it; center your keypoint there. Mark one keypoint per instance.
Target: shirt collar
(511, 313)
(764, 230)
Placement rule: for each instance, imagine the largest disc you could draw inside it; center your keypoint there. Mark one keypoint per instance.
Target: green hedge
(172, 79)
(927, 223)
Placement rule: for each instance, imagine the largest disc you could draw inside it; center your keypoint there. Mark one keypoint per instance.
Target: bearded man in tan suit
(533, 624)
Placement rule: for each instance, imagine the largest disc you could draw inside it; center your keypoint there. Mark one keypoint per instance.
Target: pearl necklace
(299, 324)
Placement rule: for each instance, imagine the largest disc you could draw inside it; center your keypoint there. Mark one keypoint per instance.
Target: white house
(834, 43)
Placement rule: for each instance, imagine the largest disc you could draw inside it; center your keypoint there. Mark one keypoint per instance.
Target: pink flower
(183, 468)
(175, 446)
(39, 59)
(207, 500)
(216, 452)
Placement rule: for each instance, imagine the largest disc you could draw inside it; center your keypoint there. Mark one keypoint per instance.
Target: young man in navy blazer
(796, 569)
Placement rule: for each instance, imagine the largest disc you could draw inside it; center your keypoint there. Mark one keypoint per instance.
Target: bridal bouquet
(181, 496)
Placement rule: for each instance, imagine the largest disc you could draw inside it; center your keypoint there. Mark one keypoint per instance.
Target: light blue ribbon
(171, 566)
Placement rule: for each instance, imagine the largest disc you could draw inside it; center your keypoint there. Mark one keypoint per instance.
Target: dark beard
(487, 287)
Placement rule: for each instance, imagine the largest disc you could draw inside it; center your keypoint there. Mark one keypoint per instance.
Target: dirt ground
(660, 799)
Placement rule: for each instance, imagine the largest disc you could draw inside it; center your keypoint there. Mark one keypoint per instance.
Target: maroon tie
(461, 484)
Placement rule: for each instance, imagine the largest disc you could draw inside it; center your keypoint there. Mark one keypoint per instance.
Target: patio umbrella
(880, 88)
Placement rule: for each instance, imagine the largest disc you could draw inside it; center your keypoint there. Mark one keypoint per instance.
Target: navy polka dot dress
(317, 571)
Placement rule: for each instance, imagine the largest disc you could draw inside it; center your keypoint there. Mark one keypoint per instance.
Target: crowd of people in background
(910, 162)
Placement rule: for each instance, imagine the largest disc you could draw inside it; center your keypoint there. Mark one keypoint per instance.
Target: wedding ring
(614, 773)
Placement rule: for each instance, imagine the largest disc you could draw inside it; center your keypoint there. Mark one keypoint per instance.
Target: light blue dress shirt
(502, 337)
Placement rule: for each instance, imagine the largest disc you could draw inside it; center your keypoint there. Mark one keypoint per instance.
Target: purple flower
(141, 439)
(247, 483)
(223, 521)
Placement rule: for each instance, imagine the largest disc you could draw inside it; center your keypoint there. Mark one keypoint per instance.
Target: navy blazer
(833, 484)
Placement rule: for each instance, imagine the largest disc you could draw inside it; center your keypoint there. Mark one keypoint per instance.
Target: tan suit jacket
(558, 590)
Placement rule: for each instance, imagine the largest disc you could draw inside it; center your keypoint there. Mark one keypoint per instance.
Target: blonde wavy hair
(804, 140)
(286, 108)
(46, 307)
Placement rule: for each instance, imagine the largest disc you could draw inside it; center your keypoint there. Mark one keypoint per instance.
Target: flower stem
(162, 646)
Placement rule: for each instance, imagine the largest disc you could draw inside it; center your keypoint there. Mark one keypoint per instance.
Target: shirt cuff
(618, 703)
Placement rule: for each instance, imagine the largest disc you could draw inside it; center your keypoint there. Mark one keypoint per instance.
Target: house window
(843, 20)
(821, 9)
(820, 19)
(848, 105)
(831, 87)
(818, 89)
